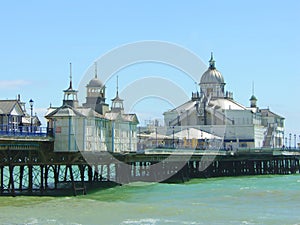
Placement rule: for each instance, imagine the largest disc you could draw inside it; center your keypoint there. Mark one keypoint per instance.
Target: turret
(70, 95)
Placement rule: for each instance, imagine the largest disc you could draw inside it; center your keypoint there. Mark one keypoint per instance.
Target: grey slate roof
(63, 111)
(121, 116)
(6, 106)
(269, 113)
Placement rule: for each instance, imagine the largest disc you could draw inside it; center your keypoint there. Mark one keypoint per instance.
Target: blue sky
(251, 40)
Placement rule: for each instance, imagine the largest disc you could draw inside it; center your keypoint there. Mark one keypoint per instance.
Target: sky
(252, 41)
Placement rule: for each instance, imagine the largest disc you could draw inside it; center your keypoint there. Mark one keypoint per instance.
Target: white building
(92, 127)
(215, 111)
(15, 118)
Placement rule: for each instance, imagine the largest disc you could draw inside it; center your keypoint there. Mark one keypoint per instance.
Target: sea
(266, 199)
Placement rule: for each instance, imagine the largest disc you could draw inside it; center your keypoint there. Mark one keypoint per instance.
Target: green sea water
(231, 200)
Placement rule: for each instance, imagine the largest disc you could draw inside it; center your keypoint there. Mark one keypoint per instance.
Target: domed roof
(212, 75)
(253, 98)
(95, 82)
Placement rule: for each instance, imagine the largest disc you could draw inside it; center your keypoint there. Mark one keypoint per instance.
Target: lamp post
(283, 138)
(173, 138)
(285, 142)
(290, 140)
(295, 141)
(31, 110)
(188, 137)
(156, 137)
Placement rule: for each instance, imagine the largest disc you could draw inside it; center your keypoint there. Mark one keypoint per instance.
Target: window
(209, 91)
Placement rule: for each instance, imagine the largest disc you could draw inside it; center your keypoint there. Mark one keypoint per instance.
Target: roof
(212, 75)
(153, 135)
(221, 103)
(64, 111)
(89, 112)
(216, 106)
(269, 113)
(7, 106)
(184, 107)
(253, 98)
(95, 82)
(117, 99)
(227, 104)
(50, 110)
(130, 117)
(27, 120)
(193, 133)
(121, 116)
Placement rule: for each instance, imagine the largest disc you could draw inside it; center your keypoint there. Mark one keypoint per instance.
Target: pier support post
(1, 179)
(108, 172)
(56, 176)
(96, 173)
(101, 172)
(21, 178)
(11, 180)
(30, 178)
(90, 174)
(42, 179)
(46, 176)
(72, 178)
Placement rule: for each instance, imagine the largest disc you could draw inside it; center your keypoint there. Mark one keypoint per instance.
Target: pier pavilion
(92, 126)
(213, 110)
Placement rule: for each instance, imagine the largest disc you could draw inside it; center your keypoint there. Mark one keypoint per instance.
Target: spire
(117, 85)
(117, 102)
(253, 99)
(70, 87)
(70, 95)
(96, 76)
(212, 62)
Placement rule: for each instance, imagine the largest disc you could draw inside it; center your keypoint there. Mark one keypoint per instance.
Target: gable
(11, 107)
(17, 111)
(64, 111)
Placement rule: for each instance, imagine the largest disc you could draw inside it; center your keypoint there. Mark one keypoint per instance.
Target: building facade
(92, 126)
(214, 110)
(14, 117)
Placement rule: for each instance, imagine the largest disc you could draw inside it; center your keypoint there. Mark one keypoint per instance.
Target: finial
(96, 70)
(253, 88)
(70, 76)
(212, 62)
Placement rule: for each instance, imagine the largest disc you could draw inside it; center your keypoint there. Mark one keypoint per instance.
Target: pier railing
(9, 130)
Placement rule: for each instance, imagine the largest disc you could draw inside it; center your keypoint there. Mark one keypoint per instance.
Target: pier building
(214, 109)
(92, 126)
(15, 119)
(51, 163)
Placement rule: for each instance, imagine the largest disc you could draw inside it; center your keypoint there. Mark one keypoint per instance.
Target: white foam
(146, 221)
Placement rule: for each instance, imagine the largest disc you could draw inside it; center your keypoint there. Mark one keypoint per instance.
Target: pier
(88, 146)
(29, 166)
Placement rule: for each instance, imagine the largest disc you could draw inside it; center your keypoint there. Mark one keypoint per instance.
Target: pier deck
(28, 166)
